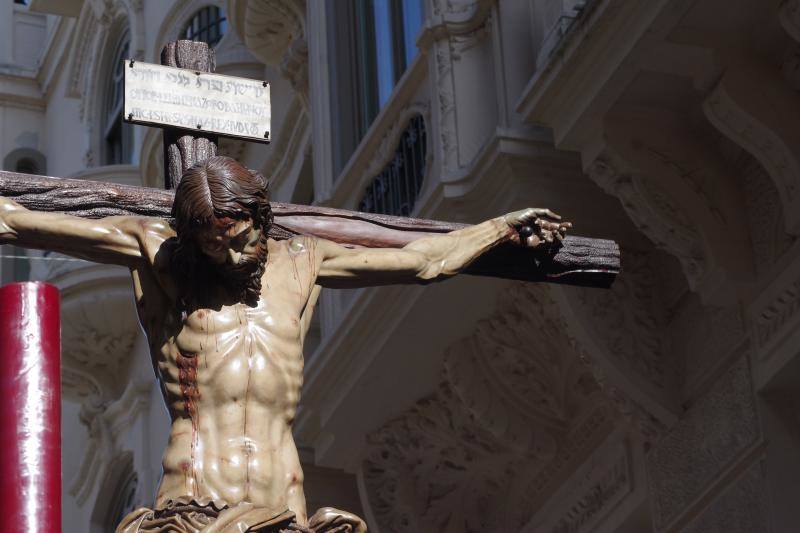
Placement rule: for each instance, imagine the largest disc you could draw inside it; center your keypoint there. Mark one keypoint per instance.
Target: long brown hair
(216, 188)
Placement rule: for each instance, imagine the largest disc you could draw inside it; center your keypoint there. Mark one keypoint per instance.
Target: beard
(243, 279)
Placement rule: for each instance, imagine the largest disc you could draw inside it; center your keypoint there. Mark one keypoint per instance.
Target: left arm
(435, 258)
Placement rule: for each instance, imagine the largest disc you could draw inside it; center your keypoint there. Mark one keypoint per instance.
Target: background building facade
(668, 403)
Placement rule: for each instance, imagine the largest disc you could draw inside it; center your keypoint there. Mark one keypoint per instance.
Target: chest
(239, 351)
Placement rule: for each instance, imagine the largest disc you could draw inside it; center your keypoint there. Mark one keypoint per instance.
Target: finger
(548, 236)
(547, 213)
(533, 241)
(552, 226)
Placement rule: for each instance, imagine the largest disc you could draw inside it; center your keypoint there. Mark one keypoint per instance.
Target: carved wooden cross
(579, 261)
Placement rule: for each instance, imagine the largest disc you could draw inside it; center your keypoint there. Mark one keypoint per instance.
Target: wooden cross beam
(579, 261)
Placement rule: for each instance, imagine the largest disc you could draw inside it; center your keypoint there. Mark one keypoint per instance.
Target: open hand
(534, 226)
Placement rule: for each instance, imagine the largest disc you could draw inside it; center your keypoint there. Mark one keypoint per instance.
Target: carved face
(227, 241)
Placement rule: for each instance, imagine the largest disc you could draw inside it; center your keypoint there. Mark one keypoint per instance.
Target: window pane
(118, 141)
(383, 49)
(412, 24)
(206, 25)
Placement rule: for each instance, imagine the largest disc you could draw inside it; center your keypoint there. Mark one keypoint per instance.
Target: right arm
(114, 240)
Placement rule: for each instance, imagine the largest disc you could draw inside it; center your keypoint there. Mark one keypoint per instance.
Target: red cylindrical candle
(30, 408)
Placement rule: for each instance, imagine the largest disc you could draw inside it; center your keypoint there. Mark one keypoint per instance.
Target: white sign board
(156, 95)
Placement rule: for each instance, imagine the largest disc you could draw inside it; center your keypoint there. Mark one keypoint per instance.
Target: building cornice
(588, 67)
(20, 91)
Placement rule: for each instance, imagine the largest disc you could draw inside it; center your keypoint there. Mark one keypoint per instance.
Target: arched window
(207, 25)
(117, 135)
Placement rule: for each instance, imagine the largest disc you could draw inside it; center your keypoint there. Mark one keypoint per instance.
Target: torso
(231, 379)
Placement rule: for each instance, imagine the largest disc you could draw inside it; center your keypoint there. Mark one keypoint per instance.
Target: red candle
(30, 408)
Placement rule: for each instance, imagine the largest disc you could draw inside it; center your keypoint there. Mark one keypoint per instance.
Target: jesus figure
(225, 310)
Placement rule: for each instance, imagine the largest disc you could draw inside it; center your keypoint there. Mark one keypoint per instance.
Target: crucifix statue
(225, 284)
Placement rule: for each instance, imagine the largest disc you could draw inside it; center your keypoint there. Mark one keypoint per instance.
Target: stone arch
(25, 160)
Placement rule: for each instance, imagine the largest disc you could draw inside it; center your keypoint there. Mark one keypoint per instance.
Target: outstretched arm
(435, 258)
(114, 240)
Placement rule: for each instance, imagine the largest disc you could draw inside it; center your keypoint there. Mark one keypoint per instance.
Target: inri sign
(161, 96)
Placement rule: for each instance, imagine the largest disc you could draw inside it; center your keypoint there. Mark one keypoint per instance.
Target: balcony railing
(395, 190)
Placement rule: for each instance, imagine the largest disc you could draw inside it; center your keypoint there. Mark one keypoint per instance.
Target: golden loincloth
(187, 515)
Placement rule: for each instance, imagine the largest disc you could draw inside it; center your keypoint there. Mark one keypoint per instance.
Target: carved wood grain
(181, 148)
(580, 261)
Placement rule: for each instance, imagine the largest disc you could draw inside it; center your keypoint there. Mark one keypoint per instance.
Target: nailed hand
(535, 226)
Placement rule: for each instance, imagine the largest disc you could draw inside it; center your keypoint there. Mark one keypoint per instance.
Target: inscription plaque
(199, 101)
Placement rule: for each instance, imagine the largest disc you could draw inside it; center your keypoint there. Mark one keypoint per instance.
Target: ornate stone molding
(460, 17)
(455, 26)
(679, 191)
(777, 313)
(744, 506)
(720, 428)
(612, 478)
(764, 211)
(270, 27)
(789, 17)
(107, 423)
(294, 65)
(620, 333)
(98, 337)
(515, 410)
(747, 115)
(652, 211)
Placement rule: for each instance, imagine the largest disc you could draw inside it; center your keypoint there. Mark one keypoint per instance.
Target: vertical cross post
(181, 148)
(30, 408)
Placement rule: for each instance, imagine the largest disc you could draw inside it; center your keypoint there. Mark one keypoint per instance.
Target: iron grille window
(207, 25)
(395, 190)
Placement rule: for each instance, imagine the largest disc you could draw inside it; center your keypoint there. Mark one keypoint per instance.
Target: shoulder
(150, 231)
(155, 236)
(300, 253)
(299, 244)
